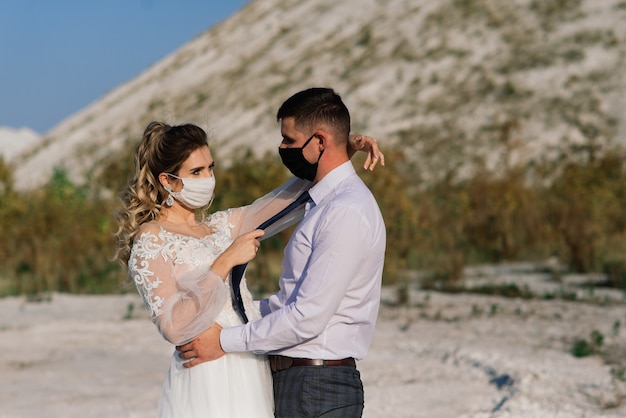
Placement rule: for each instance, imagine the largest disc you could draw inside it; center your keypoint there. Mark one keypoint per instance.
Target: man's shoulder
(353, 192)
(354, 185)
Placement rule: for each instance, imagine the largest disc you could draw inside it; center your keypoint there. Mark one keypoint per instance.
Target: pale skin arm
(207, 346)
(370, 146)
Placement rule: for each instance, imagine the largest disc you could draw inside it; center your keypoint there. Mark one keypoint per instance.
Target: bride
(181, 265)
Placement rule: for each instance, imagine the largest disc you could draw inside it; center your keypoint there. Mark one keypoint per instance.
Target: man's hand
(205, 347)
(370, 146)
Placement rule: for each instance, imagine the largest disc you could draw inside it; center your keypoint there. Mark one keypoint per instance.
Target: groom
(322, 319)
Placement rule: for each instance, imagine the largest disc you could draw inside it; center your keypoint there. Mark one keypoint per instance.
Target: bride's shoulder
(151, 233)
(149, 228)
(149, 241)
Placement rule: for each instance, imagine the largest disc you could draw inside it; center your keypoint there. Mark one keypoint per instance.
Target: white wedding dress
(184, 297)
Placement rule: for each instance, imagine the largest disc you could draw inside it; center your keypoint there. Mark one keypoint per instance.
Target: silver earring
(170, 200)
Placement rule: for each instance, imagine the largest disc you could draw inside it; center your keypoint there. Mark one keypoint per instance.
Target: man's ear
(322, 139)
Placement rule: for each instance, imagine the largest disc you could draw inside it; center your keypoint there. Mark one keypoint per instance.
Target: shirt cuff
(232, 340)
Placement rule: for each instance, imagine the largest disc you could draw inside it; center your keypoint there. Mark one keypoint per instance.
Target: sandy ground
(443, 355)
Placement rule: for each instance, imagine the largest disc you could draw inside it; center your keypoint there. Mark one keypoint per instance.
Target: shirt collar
(330, 181)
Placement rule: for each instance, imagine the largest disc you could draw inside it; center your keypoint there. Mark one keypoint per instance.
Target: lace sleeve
(249, 217)
(180, 305)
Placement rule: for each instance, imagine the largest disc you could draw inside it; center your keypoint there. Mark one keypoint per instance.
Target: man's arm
(316, 302)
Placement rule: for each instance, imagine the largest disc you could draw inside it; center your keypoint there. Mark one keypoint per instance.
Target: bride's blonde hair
(163, 149)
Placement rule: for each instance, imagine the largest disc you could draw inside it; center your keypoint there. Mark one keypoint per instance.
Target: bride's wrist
(221, 266)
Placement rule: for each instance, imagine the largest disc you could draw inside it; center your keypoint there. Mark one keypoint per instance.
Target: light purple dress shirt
(329, 294)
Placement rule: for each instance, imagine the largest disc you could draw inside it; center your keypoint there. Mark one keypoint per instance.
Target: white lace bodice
(172, 272)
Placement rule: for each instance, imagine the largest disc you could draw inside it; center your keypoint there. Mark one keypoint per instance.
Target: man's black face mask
(293, 159)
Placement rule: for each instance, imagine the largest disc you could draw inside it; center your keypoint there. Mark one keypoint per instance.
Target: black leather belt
(278, 363)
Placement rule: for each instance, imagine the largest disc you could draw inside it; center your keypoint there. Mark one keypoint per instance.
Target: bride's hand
(242, 250)
(370, 146)
(245, 246)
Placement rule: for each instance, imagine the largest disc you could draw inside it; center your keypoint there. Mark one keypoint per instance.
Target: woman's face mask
(196, 192)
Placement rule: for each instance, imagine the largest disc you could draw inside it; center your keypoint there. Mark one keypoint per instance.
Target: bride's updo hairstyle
(163, 149)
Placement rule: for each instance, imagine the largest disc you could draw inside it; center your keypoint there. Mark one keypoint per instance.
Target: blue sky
(58, 56)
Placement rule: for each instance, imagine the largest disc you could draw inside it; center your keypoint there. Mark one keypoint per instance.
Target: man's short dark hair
(317, 106)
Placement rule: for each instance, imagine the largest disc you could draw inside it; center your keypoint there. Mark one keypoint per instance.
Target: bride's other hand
(242, 250)
(370, 146)
(205, 347)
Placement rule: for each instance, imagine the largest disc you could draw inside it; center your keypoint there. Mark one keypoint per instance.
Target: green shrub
(585, 348)
(59, 236)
